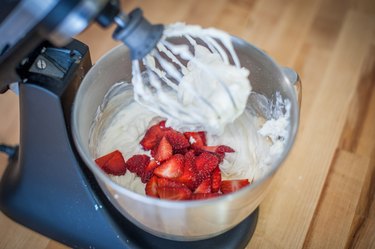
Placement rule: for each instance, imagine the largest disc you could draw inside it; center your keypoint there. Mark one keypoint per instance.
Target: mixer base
(236, 238)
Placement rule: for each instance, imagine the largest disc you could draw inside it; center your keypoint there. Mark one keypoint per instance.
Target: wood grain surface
(323, 195)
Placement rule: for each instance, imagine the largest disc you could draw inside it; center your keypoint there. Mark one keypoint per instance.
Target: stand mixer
(47, 185)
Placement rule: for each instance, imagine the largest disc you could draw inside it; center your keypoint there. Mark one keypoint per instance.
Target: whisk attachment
(139, 35)
(193, 78)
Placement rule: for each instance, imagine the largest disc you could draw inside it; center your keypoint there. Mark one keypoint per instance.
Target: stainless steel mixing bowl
(184, 220)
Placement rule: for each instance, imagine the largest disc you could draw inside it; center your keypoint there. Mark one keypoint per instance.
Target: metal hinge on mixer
(54, 62)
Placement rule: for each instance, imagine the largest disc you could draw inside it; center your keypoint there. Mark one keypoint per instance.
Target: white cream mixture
(122, 123)
(211, 94)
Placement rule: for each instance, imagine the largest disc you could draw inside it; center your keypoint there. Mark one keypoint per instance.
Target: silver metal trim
(76, 21)
(26, 15)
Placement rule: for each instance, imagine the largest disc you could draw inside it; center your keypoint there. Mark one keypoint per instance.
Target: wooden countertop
(323, 196)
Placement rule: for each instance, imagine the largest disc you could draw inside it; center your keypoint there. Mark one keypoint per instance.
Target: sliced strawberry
(221, 149)
(229, 186)
(204, 187)
(201, 196)
(137, 164)
(190, 157)
(163, 150)
(152, 187)
(153, 135)
(196, 138)
(112, 163)
(101, 161)
(162, 125)
(181, 151)
(172, 168)
(177, 139)
(215, 180)
(164, 182)
(224, 149)
(171, 193)
(149, 170)
(205, 163)
(189, 175)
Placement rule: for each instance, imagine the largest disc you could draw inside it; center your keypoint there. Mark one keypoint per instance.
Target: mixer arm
(25, 24)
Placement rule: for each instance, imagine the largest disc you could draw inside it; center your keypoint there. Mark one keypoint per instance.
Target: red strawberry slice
(153, 135)
(215, 180)
(171, 193)
(229, 186)
(163, 150)
(189, 175)
(164, 182)
(198, 137)
(112, 163)
(224, 149)
(137, 164)
(205, 163)
(204, 187)
(181, 151)
(152, 187)
(177, 139)
(162, 125)
(201, 196)
(221, 149)
(149, 170)
(172, 168)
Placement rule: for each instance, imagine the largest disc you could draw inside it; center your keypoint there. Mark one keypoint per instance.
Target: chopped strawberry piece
(171, 193)
(215, 180)
(172, 168)
(189, 175)
(181, 151)
(112, 163)
(224, 149)
(137, 164)
(201, 196)
(205, 163)
(229, 186)
(101, 161)
(221, 149)
(164, 182)
(149, 170)
(204, 187)
(162, 125)
(152, 187)
(218, 151)
(163, 150)
(177, 139)
(198, 138)
(153, 135)
(190, 157)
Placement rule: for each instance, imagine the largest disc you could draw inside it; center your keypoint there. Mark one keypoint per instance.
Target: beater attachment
(189, 75)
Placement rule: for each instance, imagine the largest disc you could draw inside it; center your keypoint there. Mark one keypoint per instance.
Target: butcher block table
(323, 195)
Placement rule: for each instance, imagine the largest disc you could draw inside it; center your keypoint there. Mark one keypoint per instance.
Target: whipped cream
(206, 93)
(196, 85)
(122, 122)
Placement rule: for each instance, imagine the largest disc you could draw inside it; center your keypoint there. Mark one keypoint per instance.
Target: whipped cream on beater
(226, 89)
(207, 93)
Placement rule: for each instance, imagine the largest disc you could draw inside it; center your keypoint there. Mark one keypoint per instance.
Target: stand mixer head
(26, 24)
(160, 61)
